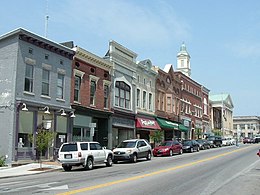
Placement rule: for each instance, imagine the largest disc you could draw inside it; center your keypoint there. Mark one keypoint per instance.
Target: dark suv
(215, 141)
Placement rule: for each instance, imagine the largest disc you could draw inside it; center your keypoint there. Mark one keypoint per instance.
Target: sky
(221, 36)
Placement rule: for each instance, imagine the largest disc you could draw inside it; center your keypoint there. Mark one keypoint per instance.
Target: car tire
(134, 158)
(67, 168)
(198, 149)
(181, 151)
(89, 164)
(191, 150)
(109, 161)
(149, 156)
(171, 153)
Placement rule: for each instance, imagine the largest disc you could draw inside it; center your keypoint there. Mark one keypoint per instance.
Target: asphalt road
(226, 170)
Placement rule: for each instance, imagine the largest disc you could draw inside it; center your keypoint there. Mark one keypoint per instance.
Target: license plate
(68, 155)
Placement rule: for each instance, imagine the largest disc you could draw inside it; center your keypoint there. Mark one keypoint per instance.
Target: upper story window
(45, 82)
(205, 110)
(138, 78)
(28, 83)
(169, 104)
(46, 57)
(144, 99)
(138, 97)
(30, 51)
(173, 104)
(150, 101)
(77, 85)
(61, 62)
(60, 86)
(106, 96)
(122, 95)
(150, 83)
(144, 81)
(93, 87)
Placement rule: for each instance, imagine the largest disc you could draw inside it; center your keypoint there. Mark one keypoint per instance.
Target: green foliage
(217, 132)
(2, 161)
(157, 136)
(43, 139)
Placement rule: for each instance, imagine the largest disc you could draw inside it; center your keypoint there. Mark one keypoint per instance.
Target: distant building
(222, 114)
(246, 126)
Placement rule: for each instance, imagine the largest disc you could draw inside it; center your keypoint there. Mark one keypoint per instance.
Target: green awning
(183, 128)
(165, 124)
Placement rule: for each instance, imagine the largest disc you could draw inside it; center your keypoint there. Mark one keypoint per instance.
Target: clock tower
(183, 61)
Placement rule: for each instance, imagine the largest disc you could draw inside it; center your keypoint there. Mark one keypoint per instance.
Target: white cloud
(125, 20)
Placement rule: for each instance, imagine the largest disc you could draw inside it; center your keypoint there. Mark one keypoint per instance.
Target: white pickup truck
(85, 154)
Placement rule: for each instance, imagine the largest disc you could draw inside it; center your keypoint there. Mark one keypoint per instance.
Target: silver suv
(131, 150)
(85, 154)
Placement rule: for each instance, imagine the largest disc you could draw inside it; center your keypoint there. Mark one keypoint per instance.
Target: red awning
(145, 123)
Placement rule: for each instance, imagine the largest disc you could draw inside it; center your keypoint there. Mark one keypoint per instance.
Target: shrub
(2, 161)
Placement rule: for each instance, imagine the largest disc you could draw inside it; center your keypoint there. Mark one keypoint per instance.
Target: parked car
(131, 150)
(257, 139)
(168, 148)
(226, 142)
(247, 140)
(190, 146)
(215, 141)
(204, 144)
(86, 154)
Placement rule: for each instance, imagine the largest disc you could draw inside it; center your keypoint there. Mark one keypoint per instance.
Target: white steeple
(183, 61)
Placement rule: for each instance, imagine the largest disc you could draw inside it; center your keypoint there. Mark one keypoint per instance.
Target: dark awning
(165, 124)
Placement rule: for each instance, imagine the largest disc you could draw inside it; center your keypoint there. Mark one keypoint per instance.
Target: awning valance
(165, 124)
(145, 123)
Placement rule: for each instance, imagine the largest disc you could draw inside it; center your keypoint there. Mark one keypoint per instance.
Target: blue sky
(222, 37)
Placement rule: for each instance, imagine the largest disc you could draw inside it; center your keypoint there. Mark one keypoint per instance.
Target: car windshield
(200, 141)
(166, 144)
(69, 148)
(127, 144)
(186, 143)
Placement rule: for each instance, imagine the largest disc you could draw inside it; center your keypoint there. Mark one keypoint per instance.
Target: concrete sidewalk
(28, 169)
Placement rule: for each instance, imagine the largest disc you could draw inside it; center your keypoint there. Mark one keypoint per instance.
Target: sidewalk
(29, 169)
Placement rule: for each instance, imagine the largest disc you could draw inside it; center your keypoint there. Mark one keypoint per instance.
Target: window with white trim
(144, 99)
(150, 101)
(169, 104)
(93, 87)
(60, 86)
(45, 82)
(28, 81)
(106, 96)
(122, 94)
(138, 98)
(77, 85)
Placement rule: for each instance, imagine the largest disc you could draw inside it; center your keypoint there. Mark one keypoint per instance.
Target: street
(225, 170)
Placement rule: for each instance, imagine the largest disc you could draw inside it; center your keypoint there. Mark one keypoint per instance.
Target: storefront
(123, 127)
(170, 129)
(145, 127)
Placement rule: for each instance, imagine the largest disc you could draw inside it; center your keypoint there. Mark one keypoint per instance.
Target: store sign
(147, 122)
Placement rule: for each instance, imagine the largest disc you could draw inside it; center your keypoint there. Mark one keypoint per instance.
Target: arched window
(122, 94)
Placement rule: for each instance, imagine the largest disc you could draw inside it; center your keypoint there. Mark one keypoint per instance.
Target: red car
(168, 148)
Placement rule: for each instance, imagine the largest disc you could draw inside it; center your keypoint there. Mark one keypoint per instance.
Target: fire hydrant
(258, 153)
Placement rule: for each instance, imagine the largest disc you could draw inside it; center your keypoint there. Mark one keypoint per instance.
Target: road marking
(149, 174)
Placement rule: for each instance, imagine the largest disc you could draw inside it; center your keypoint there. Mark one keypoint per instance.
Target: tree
(43, 140)
(157, 136)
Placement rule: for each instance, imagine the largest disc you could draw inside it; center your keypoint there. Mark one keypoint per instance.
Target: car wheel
(134, 158)
(171, 153)
(198, 149)
(89, 164)
(191, 149)
(67, 168)
(181, 151)
(149, 156)
(109, 161)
